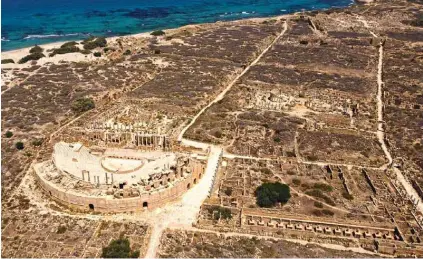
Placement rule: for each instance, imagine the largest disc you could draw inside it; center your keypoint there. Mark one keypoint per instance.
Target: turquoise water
(28, 22)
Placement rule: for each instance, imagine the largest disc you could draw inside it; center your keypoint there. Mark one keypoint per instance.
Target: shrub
(94, 42)
(158, 33)
(119, 248)
(305, 185)
(7, 61)
(127, 52)
(269, 194)
(315, 193)
(19, 145)
(8, 134)
(82, 105)
(312, 158)
(277, 139)
(365, 153)
(65, 49)
(324, 187)
(228, 191)
(319, 194)
(69, 44)
(33, 56)
(217, 133)
(318, 204)
(220, 212)
(61, 230)
(296, 181)
(317, 213)
(347, 196)
(265, 170)
(36, 49)
(37, 142)
(290, 172)
(290, 154)
(97, 54)
(327, 212)
(85, 51)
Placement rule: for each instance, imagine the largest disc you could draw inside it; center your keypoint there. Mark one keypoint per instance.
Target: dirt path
(381, 136)
(380, 123)
(183, 214)
(229, 86)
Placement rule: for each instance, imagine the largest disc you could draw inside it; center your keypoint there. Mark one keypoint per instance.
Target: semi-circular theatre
(116, 179)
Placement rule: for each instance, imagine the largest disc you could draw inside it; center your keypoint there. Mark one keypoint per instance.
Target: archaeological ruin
(189, 125)
(117, 180)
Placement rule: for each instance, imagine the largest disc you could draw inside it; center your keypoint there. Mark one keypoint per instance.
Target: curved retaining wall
(109, 204)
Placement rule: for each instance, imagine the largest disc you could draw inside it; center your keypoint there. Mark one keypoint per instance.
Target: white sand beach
(17, 54)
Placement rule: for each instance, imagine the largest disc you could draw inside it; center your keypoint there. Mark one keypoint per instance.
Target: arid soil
(328, 102)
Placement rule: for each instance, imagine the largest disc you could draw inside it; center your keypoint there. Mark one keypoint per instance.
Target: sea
(26, 23)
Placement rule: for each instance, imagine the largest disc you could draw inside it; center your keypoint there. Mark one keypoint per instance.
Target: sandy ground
(75, 57)
(183, 213)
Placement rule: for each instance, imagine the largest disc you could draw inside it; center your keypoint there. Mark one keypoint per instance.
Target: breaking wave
(236, 13)
(37, 36)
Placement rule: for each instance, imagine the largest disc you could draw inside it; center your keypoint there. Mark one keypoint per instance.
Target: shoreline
(17, 54)
(175, 28)
(147, 33)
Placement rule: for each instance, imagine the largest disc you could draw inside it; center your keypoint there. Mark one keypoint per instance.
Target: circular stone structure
(117, 180)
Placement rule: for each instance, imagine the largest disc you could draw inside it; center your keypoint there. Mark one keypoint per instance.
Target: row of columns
(152, 140)
(86, 177)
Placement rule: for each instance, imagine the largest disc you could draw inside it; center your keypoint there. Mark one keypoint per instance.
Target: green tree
(119, 248)
(269, 194)
(8, 134)
(82, 105)
(19, 145)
